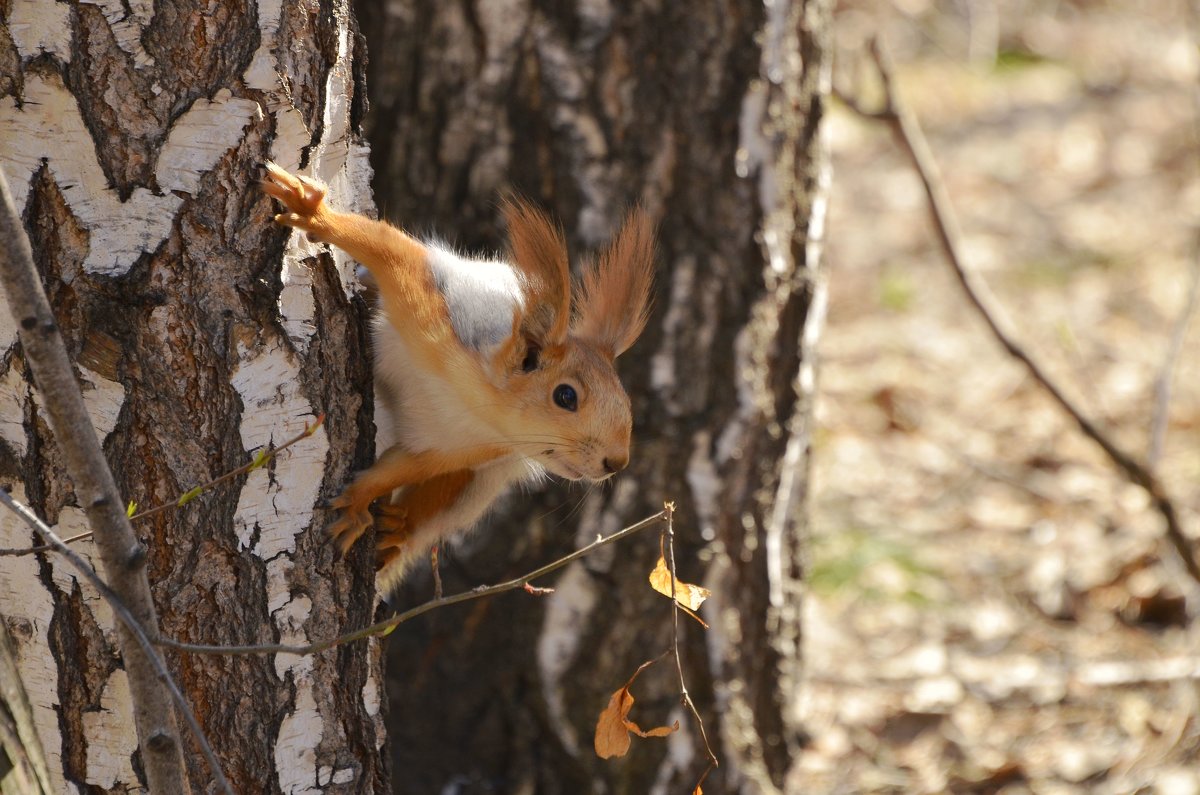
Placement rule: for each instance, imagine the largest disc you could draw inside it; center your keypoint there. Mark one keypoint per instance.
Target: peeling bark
(709, 115)
(131, 133)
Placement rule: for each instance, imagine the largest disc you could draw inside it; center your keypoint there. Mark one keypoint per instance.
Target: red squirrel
(487, 374)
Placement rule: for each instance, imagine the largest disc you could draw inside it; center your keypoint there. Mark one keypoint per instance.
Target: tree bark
(709, 115)
(131, 134)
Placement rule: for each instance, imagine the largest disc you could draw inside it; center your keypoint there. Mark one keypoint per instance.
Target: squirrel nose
(615, 464)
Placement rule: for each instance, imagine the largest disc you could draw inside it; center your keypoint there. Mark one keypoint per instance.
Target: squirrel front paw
(303, 197)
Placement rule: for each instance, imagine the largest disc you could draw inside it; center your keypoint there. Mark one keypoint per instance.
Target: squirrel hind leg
(392, 532)
(398, 553)
(413, 522)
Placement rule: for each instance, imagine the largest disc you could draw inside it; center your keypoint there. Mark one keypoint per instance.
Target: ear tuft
(539, 253)
(614, 299)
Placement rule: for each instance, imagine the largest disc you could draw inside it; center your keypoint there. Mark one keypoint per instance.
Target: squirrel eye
(565, 397)
(530, 362)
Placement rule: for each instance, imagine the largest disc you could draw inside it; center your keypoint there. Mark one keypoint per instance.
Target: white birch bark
(132, 234)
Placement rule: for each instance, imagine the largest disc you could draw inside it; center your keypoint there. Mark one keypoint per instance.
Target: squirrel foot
(353, 522)
(391, 526)
(304, 198)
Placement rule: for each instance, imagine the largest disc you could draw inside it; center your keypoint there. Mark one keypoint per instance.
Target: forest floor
(992, 605)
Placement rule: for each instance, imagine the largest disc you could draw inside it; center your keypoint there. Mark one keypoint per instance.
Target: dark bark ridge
(588, 108)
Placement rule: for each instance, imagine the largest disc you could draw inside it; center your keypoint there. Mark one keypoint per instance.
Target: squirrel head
(573, 415)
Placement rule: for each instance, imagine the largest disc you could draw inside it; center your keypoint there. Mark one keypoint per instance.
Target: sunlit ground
(993, 608)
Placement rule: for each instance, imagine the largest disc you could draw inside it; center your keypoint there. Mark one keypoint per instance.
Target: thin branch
(908, 132)
(685, 697)
(259, 461)
(42, 547)
(1162, 385)
(131, 624)
(435, 564)
(383, 627)
(122, 555)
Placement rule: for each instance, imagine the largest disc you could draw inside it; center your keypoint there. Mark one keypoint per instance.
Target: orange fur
(614, 299)
(423, 501)
(474, 417)
(393, 258)
(540, 252)
(417, 505)
(396, 468)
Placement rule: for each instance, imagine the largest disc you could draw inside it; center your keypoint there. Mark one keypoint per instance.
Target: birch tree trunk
(131, 134)
(710, 116)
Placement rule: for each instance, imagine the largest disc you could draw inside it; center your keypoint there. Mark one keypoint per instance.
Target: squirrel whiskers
(489, 371)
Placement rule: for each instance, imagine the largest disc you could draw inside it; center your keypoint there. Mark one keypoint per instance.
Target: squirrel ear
(614, 298)
(539, 254)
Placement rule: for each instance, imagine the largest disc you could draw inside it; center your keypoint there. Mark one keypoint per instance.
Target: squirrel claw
(302, 196)
(391, 527)
(350, 526)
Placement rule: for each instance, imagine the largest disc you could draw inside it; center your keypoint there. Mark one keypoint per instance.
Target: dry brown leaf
(614, 726)
(612, 738)
(686, 594)
(657, 731)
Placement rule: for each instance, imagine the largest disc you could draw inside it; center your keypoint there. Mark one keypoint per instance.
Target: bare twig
(435, 565)
(685, 697)
(908, 133)
(130, 623)
(43, 547)
(260, 460)
(121, 554)
(1162, 385)
(383, 627)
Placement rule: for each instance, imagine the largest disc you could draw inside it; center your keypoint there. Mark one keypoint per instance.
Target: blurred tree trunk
(132, 134)
(709, 115)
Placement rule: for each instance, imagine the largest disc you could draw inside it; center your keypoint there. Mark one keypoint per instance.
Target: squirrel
(491, 371)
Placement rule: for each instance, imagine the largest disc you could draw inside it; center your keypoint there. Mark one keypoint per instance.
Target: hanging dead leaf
(614, 726)
(686, 594)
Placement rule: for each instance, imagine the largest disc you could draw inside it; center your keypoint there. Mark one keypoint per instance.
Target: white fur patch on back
(480, 294)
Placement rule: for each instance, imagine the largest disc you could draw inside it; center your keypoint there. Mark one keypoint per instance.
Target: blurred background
(991, 605)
